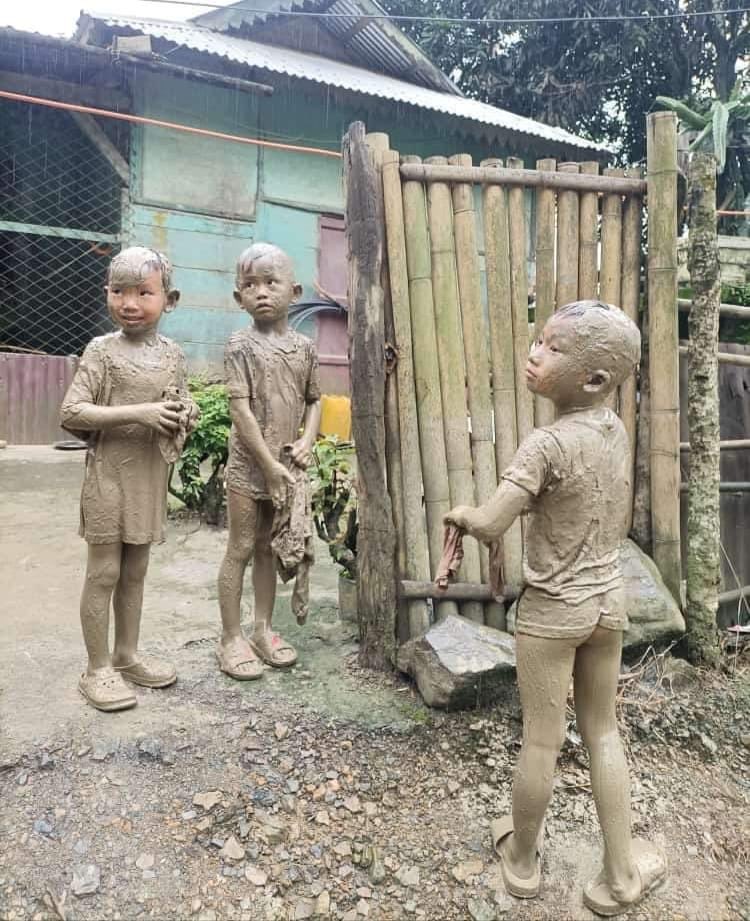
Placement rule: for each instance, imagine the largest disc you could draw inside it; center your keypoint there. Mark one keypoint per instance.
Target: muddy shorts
(542, 615)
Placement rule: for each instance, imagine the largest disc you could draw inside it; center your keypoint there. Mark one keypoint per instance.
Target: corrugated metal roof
(305, 66)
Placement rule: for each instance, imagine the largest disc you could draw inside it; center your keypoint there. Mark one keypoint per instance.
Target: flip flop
(270, 654)
(105, 690)
(651, 866)
(149, 672)
(234, 659)
(516, 885)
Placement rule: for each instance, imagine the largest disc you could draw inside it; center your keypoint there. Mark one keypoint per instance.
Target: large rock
(459, 664)
(652, 611)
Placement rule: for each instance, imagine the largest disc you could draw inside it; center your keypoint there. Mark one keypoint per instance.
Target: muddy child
(272, 380)
(572, 479)
(129, 402)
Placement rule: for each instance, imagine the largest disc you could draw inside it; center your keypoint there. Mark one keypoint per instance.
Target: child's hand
(301, 453)
(191, 418)
(162, 417)
(277, 480)
(460, 516)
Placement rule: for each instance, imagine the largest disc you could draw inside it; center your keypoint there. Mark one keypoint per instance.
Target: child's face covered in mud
(138, 290)
(266, 289)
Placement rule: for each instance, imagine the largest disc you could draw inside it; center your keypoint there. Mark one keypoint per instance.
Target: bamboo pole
(497, 272)
(725, 358)
(452, 370)
(376, 577)
(477, 362)
(377, 143)
(664, 368)
(527, 178)
(415, 535)
(544, 409)
(519, 300)
(630, 292)
(725, 310)
(426, 374)
(611, 257)
(588, 253)
(458, 591)
(567, 241)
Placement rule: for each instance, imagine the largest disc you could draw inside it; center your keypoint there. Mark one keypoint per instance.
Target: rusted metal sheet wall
(31, 390)
(734, 416)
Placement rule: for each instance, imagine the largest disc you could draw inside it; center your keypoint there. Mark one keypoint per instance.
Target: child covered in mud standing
(573, 480)
(129, 402)
(272, 380)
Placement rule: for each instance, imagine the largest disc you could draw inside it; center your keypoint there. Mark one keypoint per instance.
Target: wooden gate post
(663, 339)
(376, 543)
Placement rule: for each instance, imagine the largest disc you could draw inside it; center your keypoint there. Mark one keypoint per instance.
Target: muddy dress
(124, 496)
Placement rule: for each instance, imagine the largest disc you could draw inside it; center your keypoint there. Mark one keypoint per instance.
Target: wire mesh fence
(60, 204)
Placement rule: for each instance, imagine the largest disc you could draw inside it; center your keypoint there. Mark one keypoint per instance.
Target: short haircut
(258, 251)
(609, 340)
(131, 266)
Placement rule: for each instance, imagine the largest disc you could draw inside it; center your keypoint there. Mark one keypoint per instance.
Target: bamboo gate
(439, 347)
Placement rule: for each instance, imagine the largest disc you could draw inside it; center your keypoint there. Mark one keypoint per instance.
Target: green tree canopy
(597, 78)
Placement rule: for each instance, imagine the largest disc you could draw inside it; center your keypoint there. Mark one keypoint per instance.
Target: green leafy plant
(334, 500)
(205, 454)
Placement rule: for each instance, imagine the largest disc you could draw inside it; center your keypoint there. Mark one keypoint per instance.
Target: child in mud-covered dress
(129, 402)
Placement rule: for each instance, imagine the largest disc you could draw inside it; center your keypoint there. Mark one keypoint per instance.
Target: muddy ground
(324, 792)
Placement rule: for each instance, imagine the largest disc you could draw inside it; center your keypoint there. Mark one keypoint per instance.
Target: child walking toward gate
(129, 402)
(572, 478)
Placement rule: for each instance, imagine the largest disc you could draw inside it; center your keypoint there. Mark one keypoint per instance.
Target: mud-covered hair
(135, 262)
(606, 338)
(258, 251)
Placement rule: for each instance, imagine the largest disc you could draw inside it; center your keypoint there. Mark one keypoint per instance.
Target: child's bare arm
(246, 426)
(83, 416)
(490, 521)
(300, 451)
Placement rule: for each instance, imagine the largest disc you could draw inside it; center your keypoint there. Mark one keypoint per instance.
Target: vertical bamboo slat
(519, 299)
(477, 360)
(588, 260)
(426, 373)
(452, 370)
(497, 271)
(568, 217)
(377, 143)
(544, 410)
(415, 535)
(663, 342)
(610, 271)
(630, 296)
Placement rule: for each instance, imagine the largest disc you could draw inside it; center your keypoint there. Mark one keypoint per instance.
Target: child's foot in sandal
(105, 690)
(651, 870)
(238, 660)
(149, 672)
(522, 887)
(274, 650)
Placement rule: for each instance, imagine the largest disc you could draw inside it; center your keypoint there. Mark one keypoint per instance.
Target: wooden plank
(544, 410)
(58, 90)
(519, 300)
(477, 361)
(431, 171)
(376, 542)
(70, 233)
(664, 371)
(452, 370)
(426, 374)
(414, 527)
(106, 148)
(497, 272)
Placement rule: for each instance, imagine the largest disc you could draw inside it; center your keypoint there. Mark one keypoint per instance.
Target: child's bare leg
(271, 647)
(544, 668)
(128, 602)
(102, 573)
(236, 656)
(597, 668)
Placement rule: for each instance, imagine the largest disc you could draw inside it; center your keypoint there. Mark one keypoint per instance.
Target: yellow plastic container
(336, 416)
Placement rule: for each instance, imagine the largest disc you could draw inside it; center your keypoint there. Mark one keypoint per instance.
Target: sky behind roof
(59, 17)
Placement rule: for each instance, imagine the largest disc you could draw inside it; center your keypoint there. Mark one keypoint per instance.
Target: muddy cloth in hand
(291, 541)
(453, 554)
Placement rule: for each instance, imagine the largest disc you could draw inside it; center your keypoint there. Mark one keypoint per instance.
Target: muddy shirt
(578, 470)
(279, 378)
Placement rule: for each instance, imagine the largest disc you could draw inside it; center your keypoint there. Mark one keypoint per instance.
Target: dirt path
(336, 793)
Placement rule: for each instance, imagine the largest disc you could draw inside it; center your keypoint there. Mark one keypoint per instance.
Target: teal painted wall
(203, 200)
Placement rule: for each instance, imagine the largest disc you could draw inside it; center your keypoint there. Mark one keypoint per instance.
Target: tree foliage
(597, 78)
